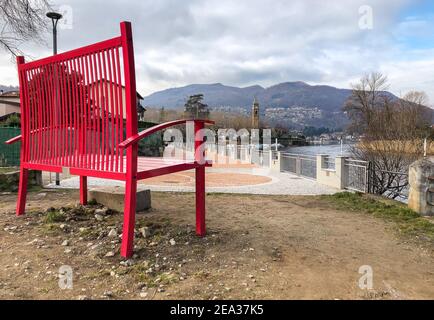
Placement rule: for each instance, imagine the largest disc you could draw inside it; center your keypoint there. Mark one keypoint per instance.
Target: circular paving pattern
(213, 179)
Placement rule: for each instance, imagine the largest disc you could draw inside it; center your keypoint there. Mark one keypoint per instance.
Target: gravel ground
(281, 184)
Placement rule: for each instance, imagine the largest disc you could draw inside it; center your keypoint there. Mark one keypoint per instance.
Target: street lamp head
(54, 15)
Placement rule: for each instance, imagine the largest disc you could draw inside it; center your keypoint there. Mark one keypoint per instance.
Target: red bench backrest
(78, 106)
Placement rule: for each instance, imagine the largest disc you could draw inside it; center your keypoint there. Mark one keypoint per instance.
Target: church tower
(255, 114)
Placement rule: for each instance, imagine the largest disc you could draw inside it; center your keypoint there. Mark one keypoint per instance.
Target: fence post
(298, 166)
(341, 171)
(275, 164)
(320, 160)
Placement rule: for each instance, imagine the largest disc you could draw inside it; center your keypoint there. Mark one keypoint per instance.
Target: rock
(113, 233)
(90, 211)
(146, 232)
(420, 179)
(99, 217)
(110, 254)
(127, 263)
(102, 211)
(67, 251)
(95, 246)
(143, 294)
(65, 243)
(108, 294)
(172, 242)
(83, 298)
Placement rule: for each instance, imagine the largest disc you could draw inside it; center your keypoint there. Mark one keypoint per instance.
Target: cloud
(249, 42)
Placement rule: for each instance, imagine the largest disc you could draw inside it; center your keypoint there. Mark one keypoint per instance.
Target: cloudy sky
(246, 42)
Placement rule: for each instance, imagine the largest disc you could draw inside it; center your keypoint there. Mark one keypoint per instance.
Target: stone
(110, 254)
(101, 212)
(172, 242)
(421, 180)
(113, 233)
(143, 294)
(114, 198)
(99, 217)
(146, 232)
(65, 243)
(108, 294)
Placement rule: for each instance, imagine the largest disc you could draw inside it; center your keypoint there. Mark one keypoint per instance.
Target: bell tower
(255, 114)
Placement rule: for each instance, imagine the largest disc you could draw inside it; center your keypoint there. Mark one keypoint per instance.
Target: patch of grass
(408, 221)
(8, 169)
(92, 202)
(54, 216)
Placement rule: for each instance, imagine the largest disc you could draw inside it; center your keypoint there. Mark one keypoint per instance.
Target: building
(105, 97)
(255, 114)
(9, 103)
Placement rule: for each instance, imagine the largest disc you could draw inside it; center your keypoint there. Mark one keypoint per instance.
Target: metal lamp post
(55, 17)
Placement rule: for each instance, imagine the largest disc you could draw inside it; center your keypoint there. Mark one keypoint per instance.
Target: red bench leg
(83, 190)
(129, 218)
(22, 191)
(200, 202)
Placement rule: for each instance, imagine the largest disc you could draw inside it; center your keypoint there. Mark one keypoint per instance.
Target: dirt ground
(258, 247)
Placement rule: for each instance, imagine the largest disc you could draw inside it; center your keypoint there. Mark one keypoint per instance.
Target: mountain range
(295, 103)
(7, 88)
(283, 95)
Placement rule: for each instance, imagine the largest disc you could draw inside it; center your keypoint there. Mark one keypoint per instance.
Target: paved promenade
(276, 183)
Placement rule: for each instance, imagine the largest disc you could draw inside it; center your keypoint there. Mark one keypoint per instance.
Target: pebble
(99, 217)
(83, 298)
(146, 232)
(101, 212)
(113, 233)
(65, 243)
(172, 242)
(108, 294)
(143, 294)
(110, 254)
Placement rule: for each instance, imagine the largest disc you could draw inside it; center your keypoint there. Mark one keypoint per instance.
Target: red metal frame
(73, 109)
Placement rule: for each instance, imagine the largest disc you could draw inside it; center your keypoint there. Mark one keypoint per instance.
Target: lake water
(332, 150)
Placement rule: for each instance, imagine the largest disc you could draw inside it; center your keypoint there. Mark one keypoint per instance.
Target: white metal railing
(299, 164)
(329, 163)
(357, 175)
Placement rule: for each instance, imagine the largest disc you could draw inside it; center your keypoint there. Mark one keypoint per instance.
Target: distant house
(9, 104)
(105, 97)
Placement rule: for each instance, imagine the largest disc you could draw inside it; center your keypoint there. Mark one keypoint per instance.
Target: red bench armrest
(14, 140)
(135, 139)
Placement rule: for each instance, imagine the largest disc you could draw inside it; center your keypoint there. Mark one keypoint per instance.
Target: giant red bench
(79, 114)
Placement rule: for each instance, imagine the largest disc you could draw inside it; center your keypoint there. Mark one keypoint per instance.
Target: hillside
(291, 103)
(284, 95)
(7, 88)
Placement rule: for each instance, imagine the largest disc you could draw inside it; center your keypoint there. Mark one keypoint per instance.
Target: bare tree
(21, 20)
(392, 132)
